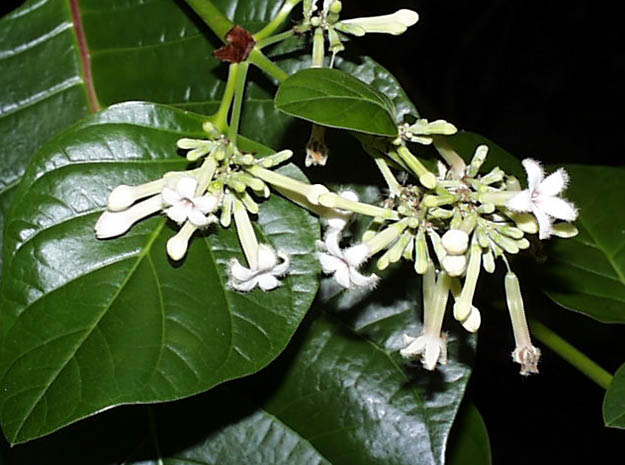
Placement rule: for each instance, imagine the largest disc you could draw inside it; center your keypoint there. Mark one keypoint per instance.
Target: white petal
(535, 173)
(186, 187)
(281, 268)
(267, 281)
(179, 213)
(416, 347)
(361, 280)
(267, 258)
(521, 202)
(207, 203)
(431, 354)
(557, 208)
(553, 184)
(170, 196)
(330, 263)
(331, 243)
(243, 286)
(238, 272)
(342, 276)
(544, 224)
(356, 255)
(197, 218)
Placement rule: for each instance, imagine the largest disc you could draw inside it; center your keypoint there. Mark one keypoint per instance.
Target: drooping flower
(269, 267)
(185, 205)
(431, 344)
(541, 197)
(525, 354)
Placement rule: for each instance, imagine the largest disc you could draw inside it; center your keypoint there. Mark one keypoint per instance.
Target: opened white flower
(541, 197)
(343, 264)
(185, 205)
(270, 266)
(432, 349)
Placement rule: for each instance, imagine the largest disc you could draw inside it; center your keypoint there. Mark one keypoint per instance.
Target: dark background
(542, 79)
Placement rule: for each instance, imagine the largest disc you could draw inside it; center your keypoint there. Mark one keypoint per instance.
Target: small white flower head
(271, 266)
(432, 349)
(455, 241)
(395, 23)
(343, 264)
(185, 205)
(541, 197)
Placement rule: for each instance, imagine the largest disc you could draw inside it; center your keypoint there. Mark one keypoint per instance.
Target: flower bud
(455, 241)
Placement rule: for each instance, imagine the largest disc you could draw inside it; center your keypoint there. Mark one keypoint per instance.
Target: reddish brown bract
(240, 44)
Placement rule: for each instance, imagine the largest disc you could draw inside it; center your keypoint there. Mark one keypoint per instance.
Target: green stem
(570, 354)
(261, 61)
(276, 22)
(235, 118)
(212, 16)
(274, 39)
(221, 117)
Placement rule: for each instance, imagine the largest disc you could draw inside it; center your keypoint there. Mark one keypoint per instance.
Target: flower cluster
(226, 185)
(451, 225)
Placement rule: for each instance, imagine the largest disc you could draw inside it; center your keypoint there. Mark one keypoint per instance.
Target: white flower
(541, 197)
(264, 275)
(343, 264)
(185, 205)
(433, 349)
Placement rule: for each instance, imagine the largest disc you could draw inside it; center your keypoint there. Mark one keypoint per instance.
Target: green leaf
(614, 401)
(331, 97)
(587, 273)
(469, 443)
(339, 394)
(89, 324)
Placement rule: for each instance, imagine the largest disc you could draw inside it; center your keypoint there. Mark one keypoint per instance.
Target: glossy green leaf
(331, 97)
(614, 401)
(469, 443)
(587, 273)
(89, 324)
